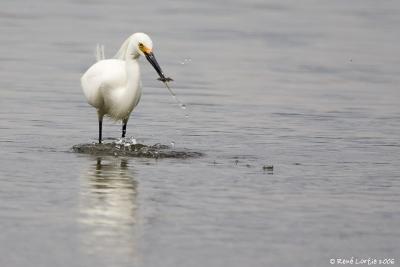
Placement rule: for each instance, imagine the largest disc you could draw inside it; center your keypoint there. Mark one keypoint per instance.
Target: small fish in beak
(151, 58)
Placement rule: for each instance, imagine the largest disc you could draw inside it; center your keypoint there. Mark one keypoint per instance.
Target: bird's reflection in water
(107, 208)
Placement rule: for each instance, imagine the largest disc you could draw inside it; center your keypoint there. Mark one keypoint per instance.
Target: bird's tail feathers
(100, 52)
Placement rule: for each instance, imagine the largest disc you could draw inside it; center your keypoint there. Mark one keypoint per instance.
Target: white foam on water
(126, 141)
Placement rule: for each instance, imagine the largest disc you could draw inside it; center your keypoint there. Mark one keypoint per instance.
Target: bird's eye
(141, 45)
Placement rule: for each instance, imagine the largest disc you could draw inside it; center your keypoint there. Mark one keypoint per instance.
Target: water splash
(185, 61)
(180, 103)
(126, 141)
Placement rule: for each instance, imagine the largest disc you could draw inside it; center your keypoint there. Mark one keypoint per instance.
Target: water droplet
(185, 61)
(183, 106)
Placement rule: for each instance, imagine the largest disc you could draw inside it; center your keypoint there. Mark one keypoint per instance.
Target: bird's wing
(101, 77)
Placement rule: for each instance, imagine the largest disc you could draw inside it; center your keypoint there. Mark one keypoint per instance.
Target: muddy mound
(134, 150)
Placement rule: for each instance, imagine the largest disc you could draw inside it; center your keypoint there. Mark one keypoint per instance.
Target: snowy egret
(113, 86)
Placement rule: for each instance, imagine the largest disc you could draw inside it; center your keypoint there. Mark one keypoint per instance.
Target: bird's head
(141, 44)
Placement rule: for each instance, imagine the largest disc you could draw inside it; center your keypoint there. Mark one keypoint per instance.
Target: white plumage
(113, 86)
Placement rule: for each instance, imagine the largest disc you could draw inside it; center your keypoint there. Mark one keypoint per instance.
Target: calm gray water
(310, 87)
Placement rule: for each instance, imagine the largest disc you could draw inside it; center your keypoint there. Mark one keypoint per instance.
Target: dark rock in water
(134, 150)
(268, 168)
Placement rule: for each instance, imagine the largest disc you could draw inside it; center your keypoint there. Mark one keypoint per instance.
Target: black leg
(100, 116)
(100, 129)
(124, 122)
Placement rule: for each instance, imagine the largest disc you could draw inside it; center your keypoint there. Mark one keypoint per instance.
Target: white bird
(113, 86)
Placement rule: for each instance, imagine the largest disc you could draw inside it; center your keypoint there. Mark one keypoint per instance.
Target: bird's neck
(135, 55)
(132, 74)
